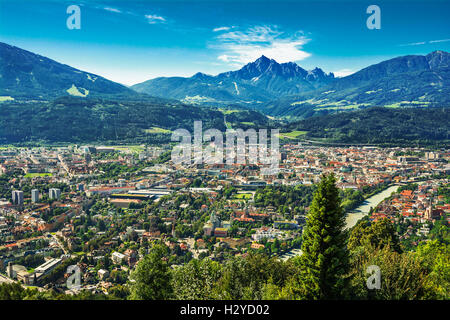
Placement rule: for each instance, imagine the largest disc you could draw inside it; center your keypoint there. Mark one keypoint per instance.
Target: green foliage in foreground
(15, 291)
(151, 279)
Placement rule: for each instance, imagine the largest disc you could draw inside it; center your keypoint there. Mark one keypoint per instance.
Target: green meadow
(157, 130)
(33, 175)
(293, 134)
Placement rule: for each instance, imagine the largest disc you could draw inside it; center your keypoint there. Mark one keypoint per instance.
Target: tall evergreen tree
(324, 262)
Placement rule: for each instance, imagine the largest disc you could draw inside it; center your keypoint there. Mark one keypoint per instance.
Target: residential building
(54, 193)
(35, 195)
(17, 197)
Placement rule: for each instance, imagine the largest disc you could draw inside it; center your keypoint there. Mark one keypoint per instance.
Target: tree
(401, 274)
(151, 278)
(435, 257)
(196, 280)
(101, 225)
(374, 234)
(323, 266)
(11, 291)
(248, 278)
(119, 292)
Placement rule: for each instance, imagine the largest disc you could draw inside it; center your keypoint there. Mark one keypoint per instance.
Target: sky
(133, 41)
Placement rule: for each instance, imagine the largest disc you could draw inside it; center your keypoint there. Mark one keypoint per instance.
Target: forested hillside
(380, 126)
(72, 119)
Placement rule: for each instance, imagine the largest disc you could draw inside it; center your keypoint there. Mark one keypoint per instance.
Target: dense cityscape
(103, 208)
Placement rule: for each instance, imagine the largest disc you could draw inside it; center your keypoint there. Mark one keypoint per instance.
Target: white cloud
(413, 44)
(443, 40)
(153, 18)
(423, 42)
(221, 29)
(112, 10)
(343, 72)
(241, 47)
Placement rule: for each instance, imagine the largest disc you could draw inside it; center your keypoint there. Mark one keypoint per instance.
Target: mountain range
(42, 100)
(286, 89)
(67, 104)
(276, 89)
(257, 82)
(407, 81)
(25, 75)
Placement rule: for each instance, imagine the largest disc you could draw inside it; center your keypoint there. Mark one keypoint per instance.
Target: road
(4, 279)
(59, 243)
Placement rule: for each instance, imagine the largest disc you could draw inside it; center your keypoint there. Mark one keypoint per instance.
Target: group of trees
(113, 170)
(351, 198)
(15, 291)
(445, 191)
(292, 200)
(31, 260)
(404, 126)
(286, 199)
(73, 119)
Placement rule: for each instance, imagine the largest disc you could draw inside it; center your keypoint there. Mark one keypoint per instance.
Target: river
(355, 215)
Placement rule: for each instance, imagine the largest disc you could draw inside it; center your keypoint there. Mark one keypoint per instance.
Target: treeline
(404, 276)
(75, 120)
(407, 275)
(386, 126)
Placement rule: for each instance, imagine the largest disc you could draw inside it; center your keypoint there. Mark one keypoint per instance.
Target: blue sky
(133, 41)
